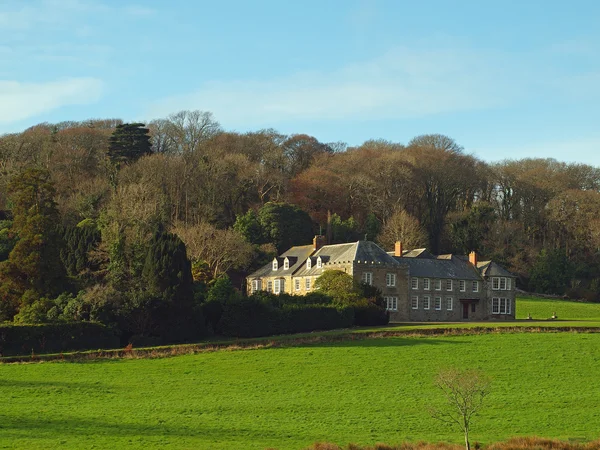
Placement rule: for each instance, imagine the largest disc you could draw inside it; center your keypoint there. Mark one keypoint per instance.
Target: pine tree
(129, 142)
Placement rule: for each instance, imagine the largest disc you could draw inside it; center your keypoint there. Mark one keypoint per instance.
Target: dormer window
(308, 263)
(286, 264)
(275, 264)
(319, 263)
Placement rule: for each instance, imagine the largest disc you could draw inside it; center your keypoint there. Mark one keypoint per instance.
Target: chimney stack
(318, 242)
(398, 249)
(473, 258)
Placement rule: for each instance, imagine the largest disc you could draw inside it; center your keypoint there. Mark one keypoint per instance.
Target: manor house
(416, 285)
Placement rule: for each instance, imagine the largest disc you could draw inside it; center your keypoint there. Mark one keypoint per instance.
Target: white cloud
(402, 83)
(20, 101)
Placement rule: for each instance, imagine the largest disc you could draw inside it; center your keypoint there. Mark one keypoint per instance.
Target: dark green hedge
(55, 338)
(252, 317)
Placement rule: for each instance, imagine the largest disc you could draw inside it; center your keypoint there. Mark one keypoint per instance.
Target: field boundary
(283, 341)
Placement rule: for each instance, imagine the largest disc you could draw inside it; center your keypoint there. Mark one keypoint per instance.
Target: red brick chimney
(318, 242)
(398, 249)
(473, 258)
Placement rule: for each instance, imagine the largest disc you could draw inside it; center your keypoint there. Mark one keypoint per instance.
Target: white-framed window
(438, 303)
(367, 277)
(448, 285)
(319, 263)
(475, 286)
(297, 284)
(269, 286)
(278, 287)
(414, 302)
(426, 284)
(286, 264)
(391, 303)
(307, 284)
(308, 263)
(501, 283)
(462, 285)
(426, 301)
(449, 301)
(390, 279)
(275, 264)
(437, 284)
(256, 285)
(501, 305)
(414, 283)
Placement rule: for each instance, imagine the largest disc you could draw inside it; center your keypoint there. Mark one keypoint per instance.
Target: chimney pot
(473, 258)
(318, 242)
(398, 249)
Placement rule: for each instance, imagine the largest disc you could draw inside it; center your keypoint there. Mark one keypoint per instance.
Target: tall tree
(129, 141)
(34, 264)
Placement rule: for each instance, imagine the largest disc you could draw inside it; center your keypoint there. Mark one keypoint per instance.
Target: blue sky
(505, 79)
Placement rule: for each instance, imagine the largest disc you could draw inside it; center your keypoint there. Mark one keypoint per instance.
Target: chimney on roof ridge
(473, 258)
(398, 249)
(318, 242)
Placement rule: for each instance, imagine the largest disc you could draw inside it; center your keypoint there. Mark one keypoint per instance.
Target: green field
(540, 308)
(366, 391)
(363, 391)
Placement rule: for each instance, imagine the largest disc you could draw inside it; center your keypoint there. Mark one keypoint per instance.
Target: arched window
(275, 264)
(319, 263)
(286, 264)
(308, 263)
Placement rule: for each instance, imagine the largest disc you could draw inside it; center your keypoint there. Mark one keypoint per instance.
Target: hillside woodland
(138, 225)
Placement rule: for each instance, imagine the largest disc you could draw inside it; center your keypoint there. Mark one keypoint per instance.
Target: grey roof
(492, 269)
(364, 251)
(296, 256)
(450, 267)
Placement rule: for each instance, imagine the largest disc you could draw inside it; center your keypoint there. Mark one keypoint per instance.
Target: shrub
(367, 313)
(55, 337)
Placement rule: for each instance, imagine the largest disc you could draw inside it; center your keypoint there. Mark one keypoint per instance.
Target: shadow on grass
(375, 341)
(25, 427)
(36, 384)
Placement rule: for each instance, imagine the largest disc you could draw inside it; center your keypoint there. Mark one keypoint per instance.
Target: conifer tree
(34, 265)
(129, 142)
(167, 270)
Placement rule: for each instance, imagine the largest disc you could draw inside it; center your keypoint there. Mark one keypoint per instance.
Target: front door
(465, 310)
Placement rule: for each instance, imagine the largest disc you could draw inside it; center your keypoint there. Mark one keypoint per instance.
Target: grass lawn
(542, 308)
(365, 391)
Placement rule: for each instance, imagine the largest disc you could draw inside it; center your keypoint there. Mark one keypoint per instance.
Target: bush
(256, 316)
(304, 318)
(367, 313)
(55, 337)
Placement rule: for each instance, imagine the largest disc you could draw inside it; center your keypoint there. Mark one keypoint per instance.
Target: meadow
(288, 397)
(366, 391)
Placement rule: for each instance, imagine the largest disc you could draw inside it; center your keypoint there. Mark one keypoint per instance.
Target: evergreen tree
(129, 142)
(285, 225)
(551, 273)
(34, 265)
(167, 270)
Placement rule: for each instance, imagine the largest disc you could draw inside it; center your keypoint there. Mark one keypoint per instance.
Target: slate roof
(491, 269)
(449, 267)
(364, 251)
(296, 256)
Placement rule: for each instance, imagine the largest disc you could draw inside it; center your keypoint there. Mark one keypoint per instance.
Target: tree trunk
(467, 445)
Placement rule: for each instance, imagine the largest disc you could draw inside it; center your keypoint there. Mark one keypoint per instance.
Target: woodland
(143, 225)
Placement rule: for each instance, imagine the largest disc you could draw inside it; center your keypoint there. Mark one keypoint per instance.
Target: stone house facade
(416, 285)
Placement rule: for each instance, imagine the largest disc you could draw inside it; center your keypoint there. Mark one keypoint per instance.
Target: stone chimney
(318, 242)
(398, 249)
(473, 258)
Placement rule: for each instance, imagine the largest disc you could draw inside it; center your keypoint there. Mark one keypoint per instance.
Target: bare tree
(465, 391)
(402, 227)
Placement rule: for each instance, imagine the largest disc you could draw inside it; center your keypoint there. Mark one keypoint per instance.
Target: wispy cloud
(402, 83)
(19, 101)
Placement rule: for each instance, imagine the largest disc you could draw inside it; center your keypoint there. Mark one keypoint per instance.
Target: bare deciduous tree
(465, 391)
